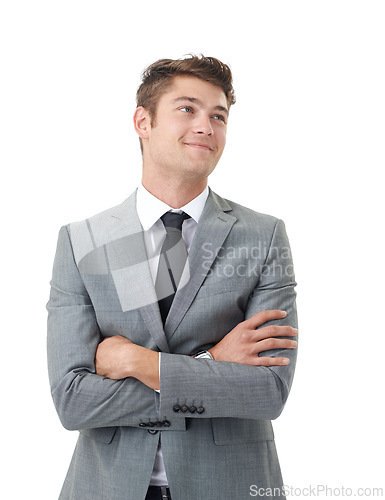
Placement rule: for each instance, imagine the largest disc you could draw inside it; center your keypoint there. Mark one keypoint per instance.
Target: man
(172, 316)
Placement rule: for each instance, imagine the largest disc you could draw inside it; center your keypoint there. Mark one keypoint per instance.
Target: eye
(186, 109)
(219, 117)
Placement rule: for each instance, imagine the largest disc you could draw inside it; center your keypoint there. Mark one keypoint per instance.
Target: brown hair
(158, 77)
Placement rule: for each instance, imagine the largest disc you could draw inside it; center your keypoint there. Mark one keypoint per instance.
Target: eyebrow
(199, 102)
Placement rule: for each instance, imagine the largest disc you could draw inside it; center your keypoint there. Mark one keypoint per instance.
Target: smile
(198, 145)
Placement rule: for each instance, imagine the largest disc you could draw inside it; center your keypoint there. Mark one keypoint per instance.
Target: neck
(174, 193)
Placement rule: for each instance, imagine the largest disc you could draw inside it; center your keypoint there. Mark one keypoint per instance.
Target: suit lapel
(213, 228)
(127, 261)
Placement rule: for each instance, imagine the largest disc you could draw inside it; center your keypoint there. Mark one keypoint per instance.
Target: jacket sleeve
(225, 389)
(82, 398)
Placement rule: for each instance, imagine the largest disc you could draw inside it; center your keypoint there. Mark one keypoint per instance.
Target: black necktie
(171, 261)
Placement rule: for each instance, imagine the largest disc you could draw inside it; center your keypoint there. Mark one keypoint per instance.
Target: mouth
(199, 145)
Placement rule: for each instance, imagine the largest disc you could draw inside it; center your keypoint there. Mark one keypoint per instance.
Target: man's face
(188, 135)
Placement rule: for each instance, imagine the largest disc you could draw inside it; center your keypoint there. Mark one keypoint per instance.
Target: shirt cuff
(158, 390)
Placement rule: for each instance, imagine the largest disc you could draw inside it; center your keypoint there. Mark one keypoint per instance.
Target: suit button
(142, 424)
(151, 424)
(158, 423)
(152, 431)
(192, 409)
(166, 423)
(200, 409)
(184, 409)
(176, 408)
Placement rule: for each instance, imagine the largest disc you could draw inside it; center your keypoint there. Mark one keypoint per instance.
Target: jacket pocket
(241, 431)
(210, 288)
(102, 434)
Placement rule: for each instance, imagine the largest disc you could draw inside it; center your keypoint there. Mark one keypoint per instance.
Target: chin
(196, 175)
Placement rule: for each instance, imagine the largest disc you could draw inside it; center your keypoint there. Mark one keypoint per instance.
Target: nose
(202, 125)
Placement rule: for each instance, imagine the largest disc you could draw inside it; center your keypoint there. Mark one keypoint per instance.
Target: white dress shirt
(150, 209)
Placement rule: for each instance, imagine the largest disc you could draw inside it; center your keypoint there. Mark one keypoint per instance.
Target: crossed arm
(124, 393)
(118, 358)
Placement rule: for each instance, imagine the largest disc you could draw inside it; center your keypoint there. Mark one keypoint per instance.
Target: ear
(142, 122)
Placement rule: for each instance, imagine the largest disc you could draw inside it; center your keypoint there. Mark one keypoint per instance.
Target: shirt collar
(150, 208)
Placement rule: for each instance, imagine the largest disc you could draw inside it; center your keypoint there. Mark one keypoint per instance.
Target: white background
(305, 143)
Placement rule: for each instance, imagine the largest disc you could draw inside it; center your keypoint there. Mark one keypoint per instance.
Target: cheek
(221, 138)
(161, 140)
(179, 129)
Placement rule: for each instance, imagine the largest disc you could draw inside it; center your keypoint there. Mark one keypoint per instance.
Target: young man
(172, 316)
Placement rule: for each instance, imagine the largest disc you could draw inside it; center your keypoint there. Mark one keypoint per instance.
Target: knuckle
(268, 315)
(272, 330)
(263, 361)
(245, 335)
(244, 324)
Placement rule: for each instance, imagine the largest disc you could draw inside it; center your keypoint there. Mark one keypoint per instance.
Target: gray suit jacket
(239, 264)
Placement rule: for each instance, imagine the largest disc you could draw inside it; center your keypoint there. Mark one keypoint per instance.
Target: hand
(117, 358)
(244, 343)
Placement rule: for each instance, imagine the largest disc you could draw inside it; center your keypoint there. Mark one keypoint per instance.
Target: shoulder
(104, 227)
(246, 216)
(251, 227)
(120, 211)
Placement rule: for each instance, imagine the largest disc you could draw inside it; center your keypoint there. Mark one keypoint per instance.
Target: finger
(268, 361)
(263, 316)
(275, 331)
(268, 344)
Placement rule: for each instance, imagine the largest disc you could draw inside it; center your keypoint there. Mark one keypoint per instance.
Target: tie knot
(174, 220)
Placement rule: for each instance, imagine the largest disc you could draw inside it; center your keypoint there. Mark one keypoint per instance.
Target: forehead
(188, 86)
